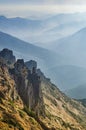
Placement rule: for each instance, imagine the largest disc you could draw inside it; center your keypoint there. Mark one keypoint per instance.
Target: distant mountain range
(78, 92)
(18, 23)
(43, 32)
(68, 76)
(73, 48)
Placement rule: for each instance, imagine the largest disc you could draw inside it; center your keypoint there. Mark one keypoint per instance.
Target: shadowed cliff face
(28, 86)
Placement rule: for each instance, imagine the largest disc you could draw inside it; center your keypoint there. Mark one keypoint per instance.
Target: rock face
(7, 88)
(8, 56)
(12, 114)
(38, 102)
(28, 86)
(31, 64)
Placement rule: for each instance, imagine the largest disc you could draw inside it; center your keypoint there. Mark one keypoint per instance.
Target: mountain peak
(2, 17)
(31, 64)
(8, 56)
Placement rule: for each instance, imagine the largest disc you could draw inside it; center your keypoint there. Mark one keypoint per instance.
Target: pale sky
(44, 1)
(40, 8)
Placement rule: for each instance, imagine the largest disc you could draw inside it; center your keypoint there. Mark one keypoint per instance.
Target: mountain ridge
(24, 49)
(41, 103)
(38, 31)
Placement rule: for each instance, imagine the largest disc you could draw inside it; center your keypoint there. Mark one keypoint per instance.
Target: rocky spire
(8, 56)
(28, 85)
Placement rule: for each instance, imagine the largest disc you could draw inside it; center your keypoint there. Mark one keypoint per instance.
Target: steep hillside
(63, 112)
(12, 113)
(58, 106)
(28, 100)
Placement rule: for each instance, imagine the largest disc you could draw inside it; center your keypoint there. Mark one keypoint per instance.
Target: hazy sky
(44, 1)
(40, 8)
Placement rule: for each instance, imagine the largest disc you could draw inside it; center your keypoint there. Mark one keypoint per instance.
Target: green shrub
(29, 112)
(21, 113)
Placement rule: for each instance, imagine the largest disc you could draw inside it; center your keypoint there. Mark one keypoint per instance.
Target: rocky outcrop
(38, 102)
(31, 64)
(8, 56)
(12, 113)
(27, 81)
(28, 85)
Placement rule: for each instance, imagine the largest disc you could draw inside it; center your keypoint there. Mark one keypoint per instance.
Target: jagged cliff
(13, 115)
(29, 101)
(28, 87)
